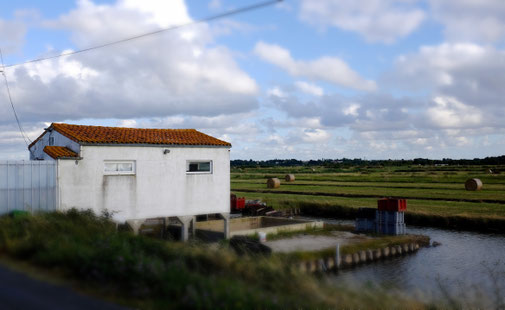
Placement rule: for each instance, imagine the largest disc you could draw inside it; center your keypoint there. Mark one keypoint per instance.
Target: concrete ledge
(354, 259)
(251, 225)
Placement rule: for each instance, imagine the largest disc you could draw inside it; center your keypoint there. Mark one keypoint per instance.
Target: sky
(304, 79)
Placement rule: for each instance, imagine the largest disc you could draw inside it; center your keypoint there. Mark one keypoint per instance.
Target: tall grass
(155, 274)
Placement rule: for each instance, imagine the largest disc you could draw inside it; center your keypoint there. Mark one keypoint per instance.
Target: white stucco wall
(160, 187)
(37, 150)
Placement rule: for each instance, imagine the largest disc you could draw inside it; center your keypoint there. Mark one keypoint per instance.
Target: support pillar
(135, 225)
(226, 218)
(166, 220)
(193, 226)
(338, 260)
(185, 224)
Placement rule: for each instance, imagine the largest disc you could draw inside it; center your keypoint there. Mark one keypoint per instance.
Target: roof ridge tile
(125, 135)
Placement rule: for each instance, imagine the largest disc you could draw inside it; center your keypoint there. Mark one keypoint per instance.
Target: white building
(138, 173)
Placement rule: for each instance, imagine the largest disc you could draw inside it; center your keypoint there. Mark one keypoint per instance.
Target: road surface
(18, 291)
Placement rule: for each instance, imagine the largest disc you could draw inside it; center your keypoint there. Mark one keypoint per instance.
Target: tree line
(497, 160)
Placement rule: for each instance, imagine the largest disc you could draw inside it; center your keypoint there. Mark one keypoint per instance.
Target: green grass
(436, 195)
(367, 190)
(384, 241)
(409, 185)
(326, 230)
(153, 274)
(362, 245)
(415, 206)
(378, 175)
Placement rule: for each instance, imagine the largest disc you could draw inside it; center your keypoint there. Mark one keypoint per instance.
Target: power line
(23, 134)
(206, 19)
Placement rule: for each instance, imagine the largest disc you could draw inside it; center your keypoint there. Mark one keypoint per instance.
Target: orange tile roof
(59, 151)
(120, 135)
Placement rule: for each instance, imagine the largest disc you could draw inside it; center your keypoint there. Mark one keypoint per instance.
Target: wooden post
(337, 256)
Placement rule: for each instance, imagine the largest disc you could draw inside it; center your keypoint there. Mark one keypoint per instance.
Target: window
(51, 140)
(119, 167)
(198, 166)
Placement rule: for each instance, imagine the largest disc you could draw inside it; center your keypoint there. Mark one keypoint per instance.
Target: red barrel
(240, 203)
(392, 204)
(233, 202)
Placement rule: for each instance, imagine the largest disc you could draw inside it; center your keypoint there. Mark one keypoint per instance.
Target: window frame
(189, 162)
(131, 172)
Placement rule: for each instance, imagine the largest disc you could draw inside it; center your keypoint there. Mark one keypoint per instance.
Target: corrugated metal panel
(27, 185)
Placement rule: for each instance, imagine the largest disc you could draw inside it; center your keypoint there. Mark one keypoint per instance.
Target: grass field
(435, 194)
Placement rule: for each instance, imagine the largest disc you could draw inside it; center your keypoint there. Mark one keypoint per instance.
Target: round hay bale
(289, 177)
(273, 183)
(473, 185)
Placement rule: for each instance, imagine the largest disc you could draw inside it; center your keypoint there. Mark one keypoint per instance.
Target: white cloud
(276, 92)
(351, 109)
(328, 69)
(181, 72)
(388, 20)
(275, 139)
(450, 113)
(12, 144)
(122, 19)
(420, 141)
(128, 123)
(434, 65)
(12, 34)
(162, 13)
(315, 135)
(309, 88)
(305, 122)
(468, 20)
(469, 73)
(376, 20)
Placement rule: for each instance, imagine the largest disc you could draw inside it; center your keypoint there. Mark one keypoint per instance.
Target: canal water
(467, 266)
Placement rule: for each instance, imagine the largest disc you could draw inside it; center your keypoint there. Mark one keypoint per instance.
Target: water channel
(466, 266)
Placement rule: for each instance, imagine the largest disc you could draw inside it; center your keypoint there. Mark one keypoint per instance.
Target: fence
(27, 185)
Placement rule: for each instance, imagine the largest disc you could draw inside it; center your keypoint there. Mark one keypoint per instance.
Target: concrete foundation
(186, 222)
(226, 228)
(187, 225)
(352, 260)
(135, 225)
(251, 225)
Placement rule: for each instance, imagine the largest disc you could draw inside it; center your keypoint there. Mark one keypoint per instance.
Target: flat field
(429, 190)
